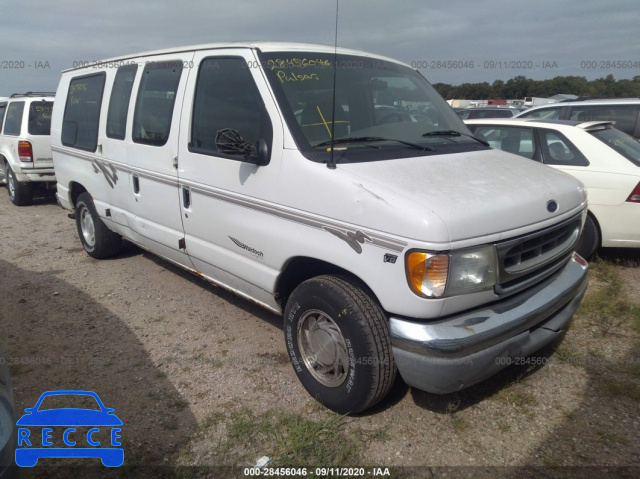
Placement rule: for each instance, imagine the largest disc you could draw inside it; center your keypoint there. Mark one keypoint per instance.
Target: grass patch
(288, 439)
(611, 439)
(459, 423)
(504, 427)
(518, 399)
(566, 354)
(178, 403)
(608, 307)
(621, 388)
(212, 420)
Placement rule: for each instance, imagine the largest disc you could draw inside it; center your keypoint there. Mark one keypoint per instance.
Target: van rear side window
(119, 101)
(82, 112)
(14, 118)
(154, 105)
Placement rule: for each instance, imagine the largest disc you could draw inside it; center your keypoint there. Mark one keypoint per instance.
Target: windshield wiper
(454, 133)
(367, 139)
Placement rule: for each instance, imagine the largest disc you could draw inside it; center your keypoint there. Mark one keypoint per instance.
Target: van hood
(474, 194)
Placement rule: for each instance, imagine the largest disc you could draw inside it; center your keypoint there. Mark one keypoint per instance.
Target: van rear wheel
(97, 240)
(338, 341)
(20, 194)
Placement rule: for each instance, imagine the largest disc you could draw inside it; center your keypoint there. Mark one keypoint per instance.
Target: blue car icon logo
(73, 432)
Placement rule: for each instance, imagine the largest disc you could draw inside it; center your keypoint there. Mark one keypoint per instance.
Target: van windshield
(379, 106)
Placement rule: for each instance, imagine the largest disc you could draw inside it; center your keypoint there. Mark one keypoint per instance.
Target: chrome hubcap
(12, 185)
(86, 224)
(323, 348)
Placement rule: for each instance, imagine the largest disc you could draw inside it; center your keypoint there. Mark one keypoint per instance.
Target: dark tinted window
(40, 117)
(119, 101)
(495, 113)
(543, 113)
(624, 116)
(463, 114)
(3, 108)
(82, 112)
(624, 144)
(154, 105)
(227, 98)
(558, 150)
(14, 118)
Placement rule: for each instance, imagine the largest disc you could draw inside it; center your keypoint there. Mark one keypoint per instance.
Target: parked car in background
(605, 159)
(488, 112)
(624, 111)
(25, 145)
(385, 234)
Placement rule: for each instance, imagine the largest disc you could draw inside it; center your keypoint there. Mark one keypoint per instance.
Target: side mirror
(262, 158)
(230, 142)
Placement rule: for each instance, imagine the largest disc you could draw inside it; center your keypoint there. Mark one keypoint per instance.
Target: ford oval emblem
(552, 206)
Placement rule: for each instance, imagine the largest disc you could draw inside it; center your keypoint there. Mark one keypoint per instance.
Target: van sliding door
(154, 194)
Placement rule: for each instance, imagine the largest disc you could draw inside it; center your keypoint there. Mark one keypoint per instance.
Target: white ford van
(389, 238)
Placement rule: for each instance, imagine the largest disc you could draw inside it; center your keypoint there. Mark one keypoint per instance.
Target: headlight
(434, 275)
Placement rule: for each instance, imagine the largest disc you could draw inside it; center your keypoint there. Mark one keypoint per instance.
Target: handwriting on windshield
(287, 77)
(284, 63)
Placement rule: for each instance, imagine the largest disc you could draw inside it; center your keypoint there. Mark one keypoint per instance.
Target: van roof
(258, 45)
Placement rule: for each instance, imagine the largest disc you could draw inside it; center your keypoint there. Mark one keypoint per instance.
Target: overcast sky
(503, 38)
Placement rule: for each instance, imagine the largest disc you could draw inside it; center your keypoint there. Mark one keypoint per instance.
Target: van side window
(154, 105)
(82, 112)
(14, 118)
(226, 97)
(119, 101)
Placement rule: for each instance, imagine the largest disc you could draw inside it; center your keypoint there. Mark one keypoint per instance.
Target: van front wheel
(337, 337)
(97, 240)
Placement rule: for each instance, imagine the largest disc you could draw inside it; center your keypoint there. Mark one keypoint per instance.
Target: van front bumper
(453, 353)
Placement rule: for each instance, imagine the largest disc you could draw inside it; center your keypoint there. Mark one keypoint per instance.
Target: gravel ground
(169, 351)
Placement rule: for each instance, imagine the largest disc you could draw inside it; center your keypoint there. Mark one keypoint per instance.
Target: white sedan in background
(605, 159)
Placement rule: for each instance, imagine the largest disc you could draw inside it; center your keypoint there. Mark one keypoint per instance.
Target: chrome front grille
(527, 259)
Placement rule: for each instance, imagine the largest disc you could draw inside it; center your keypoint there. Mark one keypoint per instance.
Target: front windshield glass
(379, 104)
(624, 144)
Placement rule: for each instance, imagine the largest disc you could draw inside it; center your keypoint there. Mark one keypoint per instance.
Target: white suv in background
(625, 112)
(25, 144)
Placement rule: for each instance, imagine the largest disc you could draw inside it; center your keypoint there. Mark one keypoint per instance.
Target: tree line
(521, 87)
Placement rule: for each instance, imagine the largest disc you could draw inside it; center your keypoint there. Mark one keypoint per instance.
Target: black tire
(20, 194)
(589, 239)
(97, 240)
(333, 309)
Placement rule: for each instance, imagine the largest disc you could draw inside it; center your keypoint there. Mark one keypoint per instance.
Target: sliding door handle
(186, 198)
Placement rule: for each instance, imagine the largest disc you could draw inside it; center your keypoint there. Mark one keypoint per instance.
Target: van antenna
(331, 165)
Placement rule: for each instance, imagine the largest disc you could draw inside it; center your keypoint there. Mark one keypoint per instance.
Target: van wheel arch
(301, 268)
(590, 238)
(75, 190)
